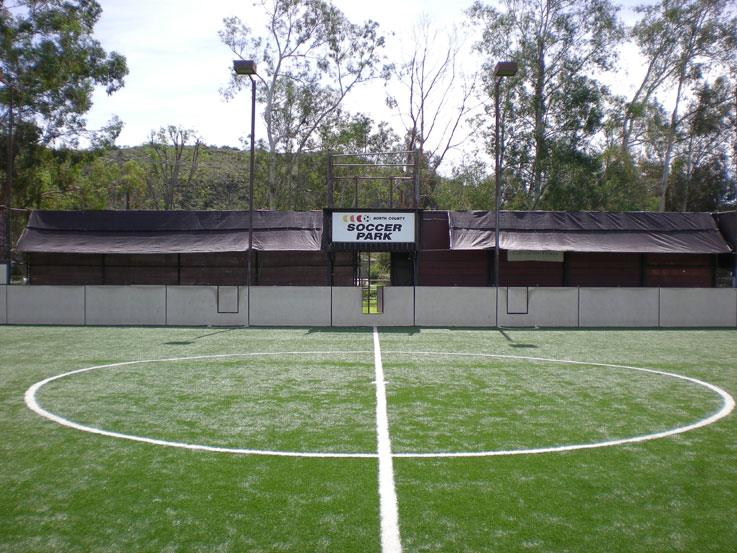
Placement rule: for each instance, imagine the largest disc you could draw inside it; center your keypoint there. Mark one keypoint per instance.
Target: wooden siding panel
(239, 259)
(435, 230)
(64, 259)
(141, 275)
(679, 270)
(604, 269)
(65, 275)
(453, 268)
(293, 276)
(141, 260)
(679, 277)
(213, 276)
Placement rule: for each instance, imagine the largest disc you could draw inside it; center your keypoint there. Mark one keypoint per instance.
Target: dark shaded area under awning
(583, 231)
(154, 232)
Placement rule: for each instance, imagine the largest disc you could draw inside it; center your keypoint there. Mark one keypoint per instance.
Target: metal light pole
(248, 67)
(503, 69)
(8, 176)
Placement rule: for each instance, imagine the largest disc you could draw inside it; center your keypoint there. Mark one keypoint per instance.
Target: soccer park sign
(374, 230)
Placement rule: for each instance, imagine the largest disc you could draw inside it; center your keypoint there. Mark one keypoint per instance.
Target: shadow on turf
(408, 330)
(190, 342)
(512, 343)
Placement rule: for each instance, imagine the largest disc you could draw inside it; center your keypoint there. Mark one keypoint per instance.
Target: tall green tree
(309, 58)
(434, 98)
(686, 44)
(554, 100)
(49, 54)
(702, 151)
(174, 155)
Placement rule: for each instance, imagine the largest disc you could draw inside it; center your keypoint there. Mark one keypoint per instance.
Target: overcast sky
(177, 63)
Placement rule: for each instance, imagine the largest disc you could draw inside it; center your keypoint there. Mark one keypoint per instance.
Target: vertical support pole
(497, 179)
(503, 69)
(331, 268)
(251, 173)
(417, 179)
(330, 179)
(9, 181)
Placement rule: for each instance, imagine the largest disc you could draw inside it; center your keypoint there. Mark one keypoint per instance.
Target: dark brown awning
(727, 223)
(583, 231)
(153, 232)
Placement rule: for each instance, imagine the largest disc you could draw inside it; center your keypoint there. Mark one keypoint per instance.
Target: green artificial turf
(312, 390)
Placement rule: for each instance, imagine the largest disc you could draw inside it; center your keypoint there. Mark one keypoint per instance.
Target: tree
(47, 51)
(683, 41)
(701, 151)
(124, 183)
(434, 97)
(309, 60)
(554, 99)
(174, 156)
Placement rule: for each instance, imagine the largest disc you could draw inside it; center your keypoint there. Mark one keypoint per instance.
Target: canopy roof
(151, 232)
(727, 223)
(585, 231)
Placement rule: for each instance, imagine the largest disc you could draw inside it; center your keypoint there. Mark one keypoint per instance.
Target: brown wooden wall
(437, 266)
(435, 231)
(454, 268)
(680, 270)
(197, 269)
(303, 269)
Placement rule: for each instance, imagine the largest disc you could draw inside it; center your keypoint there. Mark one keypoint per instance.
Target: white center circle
(727, 407)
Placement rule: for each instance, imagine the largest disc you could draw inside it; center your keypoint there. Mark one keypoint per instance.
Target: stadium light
(248, 67)
(8, 173)
(244, 67)
(503, 69)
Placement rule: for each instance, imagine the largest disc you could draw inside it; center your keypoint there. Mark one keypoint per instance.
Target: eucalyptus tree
(174, 155)
(309, 58)
(702, 149)
(554, 103)
(433, 96)
(685, 44)
(50, 56)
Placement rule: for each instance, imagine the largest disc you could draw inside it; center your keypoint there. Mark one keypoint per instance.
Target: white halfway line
(388, 506)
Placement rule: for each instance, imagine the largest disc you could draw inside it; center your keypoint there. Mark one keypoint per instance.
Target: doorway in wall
(374, 273)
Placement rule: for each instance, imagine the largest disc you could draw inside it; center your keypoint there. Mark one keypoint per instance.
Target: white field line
(388, 506)
(728, 405)
(33, 405)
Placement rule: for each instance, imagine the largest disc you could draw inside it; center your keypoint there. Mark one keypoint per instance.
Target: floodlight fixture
(505, 69)
(244, 67)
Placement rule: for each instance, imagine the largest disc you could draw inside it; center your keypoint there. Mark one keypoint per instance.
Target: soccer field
(361, 440)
